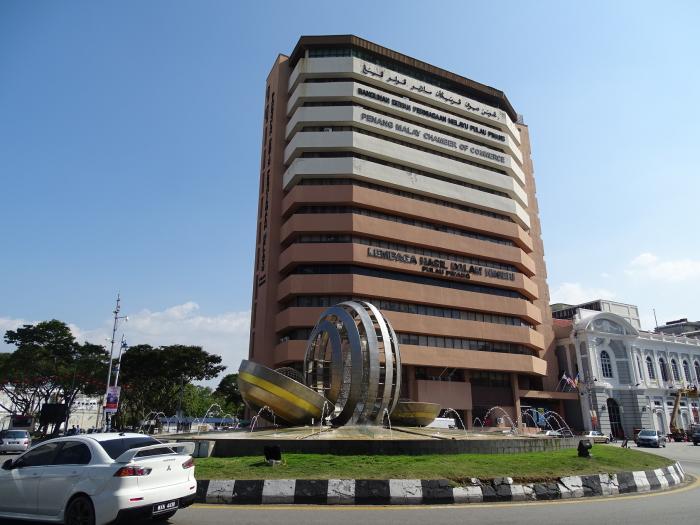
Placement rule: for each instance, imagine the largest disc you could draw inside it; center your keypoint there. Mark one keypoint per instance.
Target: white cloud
(7, 323)
(224, 334)
(650, 266)
(575, 293)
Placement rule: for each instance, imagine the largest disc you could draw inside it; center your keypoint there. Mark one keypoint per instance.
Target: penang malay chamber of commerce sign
(434, 115)
(437, 266)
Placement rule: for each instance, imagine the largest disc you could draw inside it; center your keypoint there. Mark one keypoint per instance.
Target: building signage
(439, 94)
(447, 142)
(427, 113)
(438, 266)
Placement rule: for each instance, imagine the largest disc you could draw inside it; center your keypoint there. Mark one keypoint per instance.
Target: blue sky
(130, 135)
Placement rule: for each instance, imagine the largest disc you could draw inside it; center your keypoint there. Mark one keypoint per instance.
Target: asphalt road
(676, 506)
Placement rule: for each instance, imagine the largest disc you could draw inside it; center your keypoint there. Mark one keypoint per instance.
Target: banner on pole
(112, 401)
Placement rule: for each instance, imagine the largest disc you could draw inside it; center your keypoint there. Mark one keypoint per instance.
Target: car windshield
(116, 447)
(14, 434)
(648, 433)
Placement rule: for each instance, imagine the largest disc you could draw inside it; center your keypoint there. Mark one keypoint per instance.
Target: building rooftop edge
(487, 94)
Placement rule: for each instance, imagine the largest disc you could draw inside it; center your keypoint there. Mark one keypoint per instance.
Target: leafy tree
(197, 400)
(49, 365)
(228, 389)
(153, 379)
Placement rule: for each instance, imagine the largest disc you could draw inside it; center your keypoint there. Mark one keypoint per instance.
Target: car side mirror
(7, 465)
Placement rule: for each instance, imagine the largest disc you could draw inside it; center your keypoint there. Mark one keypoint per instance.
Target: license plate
(166, 506)
(14, 442)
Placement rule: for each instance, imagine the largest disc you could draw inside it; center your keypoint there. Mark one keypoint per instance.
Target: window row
(339, 269)
(478, 345)
(350, 154)
(385, 138)
(333, 80)
(490, 379)
(402, 193)
(403, 220)
(401, 68)
(400, 247)
(463, 344)
(335, 103)
(307, 301)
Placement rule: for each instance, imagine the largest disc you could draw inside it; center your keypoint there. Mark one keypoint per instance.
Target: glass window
(664, 371)
(650, 368)
(697, 371)
(14, 434)
(42, 455)
(73, 453)
(116, 447)
(605, 364)
(674, 369)
(686, 371)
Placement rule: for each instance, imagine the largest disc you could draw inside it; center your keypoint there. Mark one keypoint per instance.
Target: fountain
(352, 379)
(559, 420)
(147, 418)
(254, 421)
(388, 418)
(524, 415)
(480, 422)
(453, 411)
(505, 415)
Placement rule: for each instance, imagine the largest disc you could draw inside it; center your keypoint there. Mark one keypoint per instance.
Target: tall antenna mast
(104, 422)
(655, 320)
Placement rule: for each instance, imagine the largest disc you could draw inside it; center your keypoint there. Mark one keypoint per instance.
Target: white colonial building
(628, 378)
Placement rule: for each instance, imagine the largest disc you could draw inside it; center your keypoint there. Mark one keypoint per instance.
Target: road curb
(440, 491)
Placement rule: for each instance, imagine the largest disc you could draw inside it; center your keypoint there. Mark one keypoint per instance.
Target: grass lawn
(533, 466)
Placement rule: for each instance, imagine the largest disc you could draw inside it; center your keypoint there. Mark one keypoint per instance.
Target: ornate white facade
(628, 378)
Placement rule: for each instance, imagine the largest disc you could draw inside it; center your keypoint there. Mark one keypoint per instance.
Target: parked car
(650, 438)
(596, 436)
(695, 436)
(14, 441)
(96, 479)
(553, 433)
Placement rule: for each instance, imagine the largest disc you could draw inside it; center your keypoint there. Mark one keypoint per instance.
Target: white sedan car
(98, 478)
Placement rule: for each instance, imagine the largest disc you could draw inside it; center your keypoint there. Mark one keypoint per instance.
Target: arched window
(686, 372)
(697, 371)
(605, 364)
(650, 368)
(664, 371)
(674, 369)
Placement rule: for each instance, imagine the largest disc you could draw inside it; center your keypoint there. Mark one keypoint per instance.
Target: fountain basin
(290, 401)
(414, 413)
(373, 440)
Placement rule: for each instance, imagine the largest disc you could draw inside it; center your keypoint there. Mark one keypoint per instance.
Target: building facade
(390, 180)
(681, 327)
(628, 378)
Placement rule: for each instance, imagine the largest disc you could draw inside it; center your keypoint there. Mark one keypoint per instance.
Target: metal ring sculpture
(353, 359)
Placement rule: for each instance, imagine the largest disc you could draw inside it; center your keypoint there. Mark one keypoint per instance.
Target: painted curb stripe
(430, 492)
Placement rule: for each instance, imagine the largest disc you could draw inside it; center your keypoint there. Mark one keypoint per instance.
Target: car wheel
(80, 512)
(164, 517)
(607, 440)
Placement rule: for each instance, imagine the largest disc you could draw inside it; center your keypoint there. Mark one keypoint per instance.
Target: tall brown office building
(387, 179)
